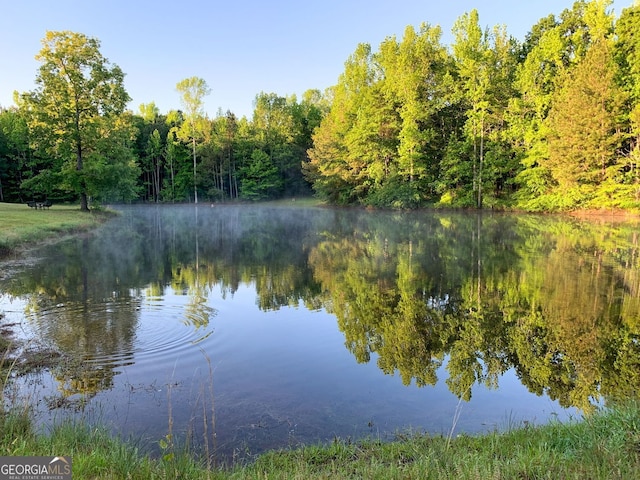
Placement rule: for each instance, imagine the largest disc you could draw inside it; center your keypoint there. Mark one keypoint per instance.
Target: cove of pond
(243, 328)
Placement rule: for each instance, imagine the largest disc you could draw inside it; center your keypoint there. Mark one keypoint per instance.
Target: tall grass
(605, 445)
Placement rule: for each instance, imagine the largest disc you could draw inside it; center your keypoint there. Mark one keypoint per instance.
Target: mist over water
(269, 327)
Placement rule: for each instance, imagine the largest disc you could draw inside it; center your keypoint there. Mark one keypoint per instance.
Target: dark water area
(245, 328)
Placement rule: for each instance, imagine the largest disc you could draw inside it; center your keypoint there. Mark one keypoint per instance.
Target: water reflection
(556, 300)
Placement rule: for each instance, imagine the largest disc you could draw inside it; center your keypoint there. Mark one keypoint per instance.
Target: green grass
(605, 445)
(292, 202)
(21, 226)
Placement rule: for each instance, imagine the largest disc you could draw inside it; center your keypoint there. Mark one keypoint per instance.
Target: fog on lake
(245, 328)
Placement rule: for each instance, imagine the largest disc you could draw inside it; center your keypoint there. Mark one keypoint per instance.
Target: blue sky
(240, 47)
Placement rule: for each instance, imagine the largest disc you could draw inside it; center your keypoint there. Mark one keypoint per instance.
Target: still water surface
(245, 328)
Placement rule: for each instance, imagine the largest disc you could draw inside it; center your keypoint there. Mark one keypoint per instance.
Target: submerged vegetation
(549, 123)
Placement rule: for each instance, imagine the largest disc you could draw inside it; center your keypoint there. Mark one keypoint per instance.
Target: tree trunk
(84, 204)
(481, 164)
(173, 190)
(230, 174)
(195, 183)
(157, 179)
(235, 182)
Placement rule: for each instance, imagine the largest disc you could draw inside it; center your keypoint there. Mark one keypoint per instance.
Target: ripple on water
(116, 332)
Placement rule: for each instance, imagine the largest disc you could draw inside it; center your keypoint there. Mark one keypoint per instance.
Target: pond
(239, 329)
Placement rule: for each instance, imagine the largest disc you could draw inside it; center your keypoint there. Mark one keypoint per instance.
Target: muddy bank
(20, 357)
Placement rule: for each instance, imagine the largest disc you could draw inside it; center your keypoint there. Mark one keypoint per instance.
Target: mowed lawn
(21, 225)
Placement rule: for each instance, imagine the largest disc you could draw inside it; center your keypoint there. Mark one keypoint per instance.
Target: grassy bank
(21, 226)
(603, 446)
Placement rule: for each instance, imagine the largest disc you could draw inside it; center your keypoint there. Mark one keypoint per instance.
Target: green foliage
(413, 123)
(456, 175)
(74, 112)
(15, 161)
(583, 135)
(192, 91)
(260, 179)
(396, 192)
(515, 132)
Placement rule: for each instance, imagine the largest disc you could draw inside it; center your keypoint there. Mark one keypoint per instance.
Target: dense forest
(545, 124)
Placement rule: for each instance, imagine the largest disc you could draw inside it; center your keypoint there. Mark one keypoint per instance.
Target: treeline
(549, 123)
(71, 138)
(148, 156)
(236, 158)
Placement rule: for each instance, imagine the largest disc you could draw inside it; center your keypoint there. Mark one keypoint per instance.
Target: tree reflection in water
(556, 299)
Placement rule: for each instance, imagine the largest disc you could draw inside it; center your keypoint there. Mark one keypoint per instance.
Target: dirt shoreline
(19, 358)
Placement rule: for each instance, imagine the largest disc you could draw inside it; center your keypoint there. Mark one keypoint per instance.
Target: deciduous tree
(627, 54)
(72, 108)
(584, 136)
(192, 91)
